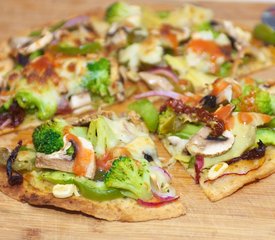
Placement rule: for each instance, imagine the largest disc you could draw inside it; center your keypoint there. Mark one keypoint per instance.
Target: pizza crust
(228, 184)
(126, 210)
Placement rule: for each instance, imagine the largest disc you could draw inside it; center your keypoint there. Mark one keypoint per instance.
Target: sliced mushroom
(28, 45)
(57, 160)
(241, 37)
(156, 82)
(117, 36)
(177, 143)
(80, 100)
(201, 144)
(44, 161)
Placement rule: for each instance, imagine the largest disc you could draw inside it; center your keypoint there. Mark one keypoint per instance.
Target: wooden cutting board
(248, 214)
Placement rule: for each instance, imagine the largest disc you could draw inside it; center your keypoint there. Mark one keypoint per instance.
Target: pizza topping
(14, 178)
(84, 160)
(75, 21)
(209, 102)
(160, 183)
(253, 99)
(63, 107)
(161, 93)
(84, 49)
(98, 79)
(156, 82)
(11, 117)
(64, 190)
(143, 148)
(156, 203)
(48, 137)
(204, 145)
(148, 113)
(197, 114)
(123, 13)
(133, 177)
(105, 133)
(255, 153)
(80, 100)
(36, 44)
(199, 162)
(41, 71)
(217, 170)
(148, 52)
(241, 37)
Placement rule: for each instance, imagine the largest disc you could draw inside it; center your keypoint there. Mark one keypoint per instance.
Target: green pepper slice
(264, 33)
(87, 188)
(148, 113)
(96, 190)
(81, 50)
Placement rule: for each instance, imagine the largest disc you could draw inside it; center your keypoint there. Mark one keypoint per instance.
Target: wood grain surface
(248, 214)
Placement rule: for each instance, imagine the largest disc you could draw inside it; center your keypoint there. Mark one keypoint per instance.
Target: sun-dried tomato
(254, 153)
(14, 178)
(13, 117)
(197, 114)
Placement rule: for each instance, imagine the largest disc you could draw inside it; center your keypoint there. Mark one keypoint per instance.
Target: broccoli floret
(48, 137)
(98, 79)
(118, 11)
(131, 176)
(43, 102)
(253, 99)
(266, 135)
(101, 135)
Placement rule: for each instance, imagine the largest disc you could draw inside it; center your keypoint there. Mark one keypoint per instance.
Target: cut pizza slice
(87, 62)
(227, 140)
(108, 168)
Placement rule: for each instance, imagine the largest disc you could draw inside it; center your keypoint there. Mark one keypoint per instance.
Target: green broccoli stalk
(48, 137)
(44, 101)
(119, 11)
(253, 99)
(101, 135)
(98, 79)
(131, 176)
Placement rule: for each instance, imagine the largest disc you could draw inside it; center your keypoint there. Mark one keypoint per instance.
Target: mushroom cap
(200, 144)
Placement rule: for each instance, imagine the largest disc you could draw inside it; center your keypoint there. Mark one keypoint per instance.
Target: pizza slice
(182, 49)
(90, 61)
(62, 69)
(107, 168)
(226, 139)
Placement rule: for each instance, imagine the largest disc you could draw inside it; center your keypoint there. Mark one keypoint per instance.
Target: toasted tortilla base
(228, 184)
(126, 210)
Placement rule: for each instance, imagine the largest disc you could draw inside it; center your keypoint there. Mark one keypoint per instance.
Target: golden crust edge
(229, 184)
(126, 210)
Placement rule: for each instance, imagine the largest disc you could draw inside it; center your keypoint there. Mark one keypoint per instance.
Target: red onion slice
(166, 72)
(160, 93)
(75, 21)
(160, 184)
(5, 123)
(156, 204)
(161, 171)
(198, 166)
